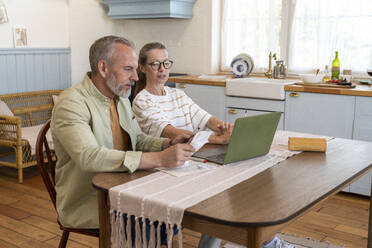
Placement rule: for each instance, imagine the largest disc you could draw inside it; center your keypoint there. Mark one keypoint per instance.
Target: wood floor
(28, 219)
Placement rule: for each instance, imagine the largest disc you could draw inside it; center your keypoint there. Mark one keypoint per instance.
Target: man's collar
(92, 89)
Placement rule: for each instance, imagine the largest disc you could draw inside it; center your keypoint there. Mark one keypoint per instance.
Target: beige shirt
(83, 141)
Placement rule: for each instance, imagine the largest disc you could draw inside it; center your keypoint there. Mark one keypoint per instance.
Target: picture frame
(20, 36)
(3, 14)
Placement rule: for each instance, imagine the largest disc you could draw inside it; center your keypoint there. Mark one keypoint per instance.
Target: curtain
(322, 27)
(251, 27)
(305, 34)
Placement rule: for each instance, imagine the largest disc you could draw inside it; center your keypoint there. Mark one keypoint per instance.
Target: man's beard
(118, 89)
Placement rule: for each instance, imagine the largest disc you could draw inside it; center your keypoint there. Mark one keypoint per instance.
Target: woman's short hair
(103, 49)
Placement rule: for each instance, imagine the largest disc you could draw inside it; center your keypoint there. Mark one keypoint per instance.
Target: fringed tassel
(138, 233)
(123, 240)
(113, 227)
(152, 235)
(129, 232)
(116, 228)
(158, 238)
(170, 235)
(144, 238)
(180, 241)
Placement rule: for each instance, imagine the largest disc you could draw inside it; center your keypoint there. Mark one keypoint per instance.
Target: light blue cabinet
(363, 118)
(210, 98)
(237, 107)
(363, 131)
(323, 114)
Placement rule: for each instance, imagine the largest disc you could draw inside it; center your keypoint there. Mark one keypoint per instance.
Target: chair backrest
(34, 107)
(45, 158)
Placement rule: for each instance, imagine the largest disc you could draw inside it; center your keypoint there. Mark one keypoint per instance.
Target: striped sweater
(154, 113)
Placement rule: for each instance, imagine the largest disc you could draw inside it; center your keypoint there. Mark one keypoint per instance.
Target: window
(305, 34)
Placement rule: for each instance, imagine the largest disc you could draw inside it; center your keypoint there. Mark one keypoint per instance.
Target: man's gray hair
(103, 49)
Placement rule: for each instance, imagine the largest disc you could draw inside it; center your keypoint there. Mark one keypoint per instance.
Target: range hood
(138, 9)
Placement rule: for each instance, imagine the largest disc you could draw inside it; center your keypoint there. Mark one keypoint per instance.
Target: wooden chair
(45, 157)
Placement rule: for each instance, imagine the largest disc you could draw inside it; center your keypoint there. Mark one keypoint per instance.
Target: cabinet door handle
(182, 85)
(232, 111)
(294, 94)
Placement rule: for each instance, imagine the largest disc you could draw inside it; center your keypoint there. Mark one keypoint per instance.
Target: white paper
(200, 139)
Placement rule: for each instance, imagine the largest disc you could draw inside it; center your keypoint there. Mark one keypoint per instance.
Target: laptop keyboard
(219, 158)
(216, 155)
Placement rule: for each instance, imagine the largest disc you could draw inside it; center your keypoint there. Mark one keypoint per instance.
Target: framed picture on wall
(20, 36)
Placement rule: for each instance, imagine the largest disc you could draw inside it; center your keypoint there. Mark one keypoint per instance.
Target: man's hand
(179, 139)
(176, 155)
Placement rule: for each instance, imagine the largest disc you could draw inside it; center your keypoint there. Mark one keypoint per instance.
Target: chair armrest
(10, 130)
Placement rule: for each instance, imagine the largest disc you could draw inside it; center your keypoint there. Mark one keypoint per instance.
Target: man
(94, 130)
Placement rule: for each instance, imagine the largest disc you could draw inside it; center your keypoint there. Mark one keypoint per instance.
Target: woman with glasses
(167, 112)
(162, 111)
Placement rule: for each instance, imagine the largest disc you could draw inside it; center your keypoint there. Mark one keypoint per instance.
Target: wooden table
(254, 210)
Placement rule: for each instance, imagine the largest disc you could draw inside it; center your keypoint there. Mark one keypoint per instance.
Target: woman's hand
(224, 127)
(224, 134)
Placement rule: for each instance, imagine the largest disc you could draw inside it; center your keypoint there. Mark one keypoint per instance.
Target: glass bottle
(327, 75)
(336, 67)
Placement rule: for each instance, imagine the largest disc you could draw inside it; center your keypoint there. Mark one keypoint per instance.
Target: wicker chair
(45, 157)
(29, 109)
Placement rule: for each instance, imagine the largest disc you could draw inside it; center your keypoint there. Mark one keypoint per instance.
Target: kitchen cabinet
(323, 114)
(363, 131)
(363, 118)
(208, 97)
(237, 107)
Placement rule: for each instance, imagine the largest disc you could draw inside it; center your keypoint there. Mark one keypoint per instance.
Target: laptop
(252, 137)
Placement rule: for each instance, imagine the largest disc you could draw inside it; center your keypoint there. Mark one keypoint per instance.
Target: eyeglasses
(167, 64)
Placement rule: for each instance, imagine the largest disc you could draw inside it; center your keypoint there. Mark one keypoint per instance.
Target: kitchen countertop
(194, 79)
(359, 90)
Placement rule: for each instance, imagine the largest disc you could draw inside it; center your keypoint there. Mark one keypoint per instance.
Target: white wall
(88, 22)
(78, 23)
(46, 22)
(189, 41)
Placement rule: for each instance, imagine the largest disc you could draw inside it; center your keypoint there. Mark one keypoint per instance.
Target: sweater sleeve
(150, 117)
(199, 117)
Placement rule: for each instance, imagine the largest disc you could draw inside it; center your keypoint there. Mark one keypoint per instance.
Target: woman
(167, 112)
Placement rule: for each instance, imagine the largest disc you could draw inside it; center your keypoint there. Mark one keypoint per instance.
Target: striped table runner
(162, 197)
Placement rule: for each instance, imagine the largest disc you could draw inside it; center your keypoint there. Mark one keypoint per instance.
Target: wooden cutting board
(327, 85)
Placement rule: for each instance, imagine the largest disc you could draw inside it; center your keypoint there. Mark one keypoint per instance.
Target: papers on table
(200, 139)
(192, 166)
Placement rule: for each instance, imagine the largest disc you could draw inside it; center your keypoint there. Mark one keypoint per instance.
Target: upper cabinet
(135, 9)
